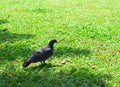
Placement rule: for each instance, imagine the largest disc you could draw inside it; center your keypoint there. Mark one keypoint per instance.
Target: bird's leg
(44, 62)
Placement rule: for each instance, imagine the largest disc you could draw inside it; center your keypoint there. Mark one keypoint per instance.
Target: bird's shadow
(43, 66)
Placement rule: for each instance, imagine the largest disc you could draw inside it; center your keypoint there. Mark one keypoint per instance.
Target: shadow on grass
(8, 51)
(3, 21)
(71, 52)
(11, 37)
(12, 52)
(53, 77)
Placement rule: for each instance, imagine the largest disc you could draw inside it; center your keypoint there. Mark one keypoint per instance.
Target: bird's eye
(38, 52)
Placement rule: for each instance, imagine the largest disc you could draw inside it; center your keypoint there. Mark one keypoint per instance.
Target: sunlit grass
(87, 56)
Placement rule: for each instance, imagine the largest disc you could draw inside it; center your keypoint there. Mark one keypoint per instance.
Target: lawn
(87, 55)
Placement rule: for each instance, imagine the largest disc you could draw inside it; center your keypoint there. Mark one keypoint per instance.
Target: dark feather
(41, 55)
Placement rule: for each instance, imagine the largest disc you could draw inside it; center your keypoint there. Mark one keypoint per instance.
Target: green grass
(87, 56)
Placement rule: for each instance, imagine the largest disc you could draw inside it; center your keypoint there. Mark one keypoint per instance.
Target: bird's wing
(36, 56)
(47, 52)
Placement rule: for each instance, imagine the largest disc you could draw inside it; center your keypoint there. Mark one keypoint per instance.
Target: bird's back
(42, 54)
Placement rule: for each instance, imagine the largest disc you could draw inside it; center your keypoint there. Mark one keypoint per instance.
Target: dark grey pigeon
(41, 55)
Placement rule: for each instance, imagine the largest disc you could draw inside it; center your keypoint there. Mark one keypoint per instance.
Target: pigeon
(42, 54)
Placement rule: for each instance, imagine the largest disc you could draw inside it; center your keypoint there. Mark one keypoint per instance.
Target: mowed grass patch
(86, 56)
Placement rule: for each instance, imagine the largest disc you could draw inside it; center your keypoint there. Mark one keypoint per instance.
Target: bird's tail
(26, 63)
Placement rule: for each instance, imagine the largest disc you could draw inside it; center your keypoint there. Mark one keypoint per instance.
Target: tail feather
(26, 63)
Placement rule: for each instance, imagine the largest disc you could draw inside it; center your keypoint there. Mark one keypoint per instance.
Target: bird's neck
(51, 45)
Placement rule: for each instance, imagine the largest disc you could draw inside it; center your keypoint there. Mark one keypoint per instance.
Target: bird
(42, 54)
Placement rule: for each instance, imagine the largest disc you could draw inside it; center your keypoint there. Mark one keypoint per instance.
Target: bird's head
(51, 43)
